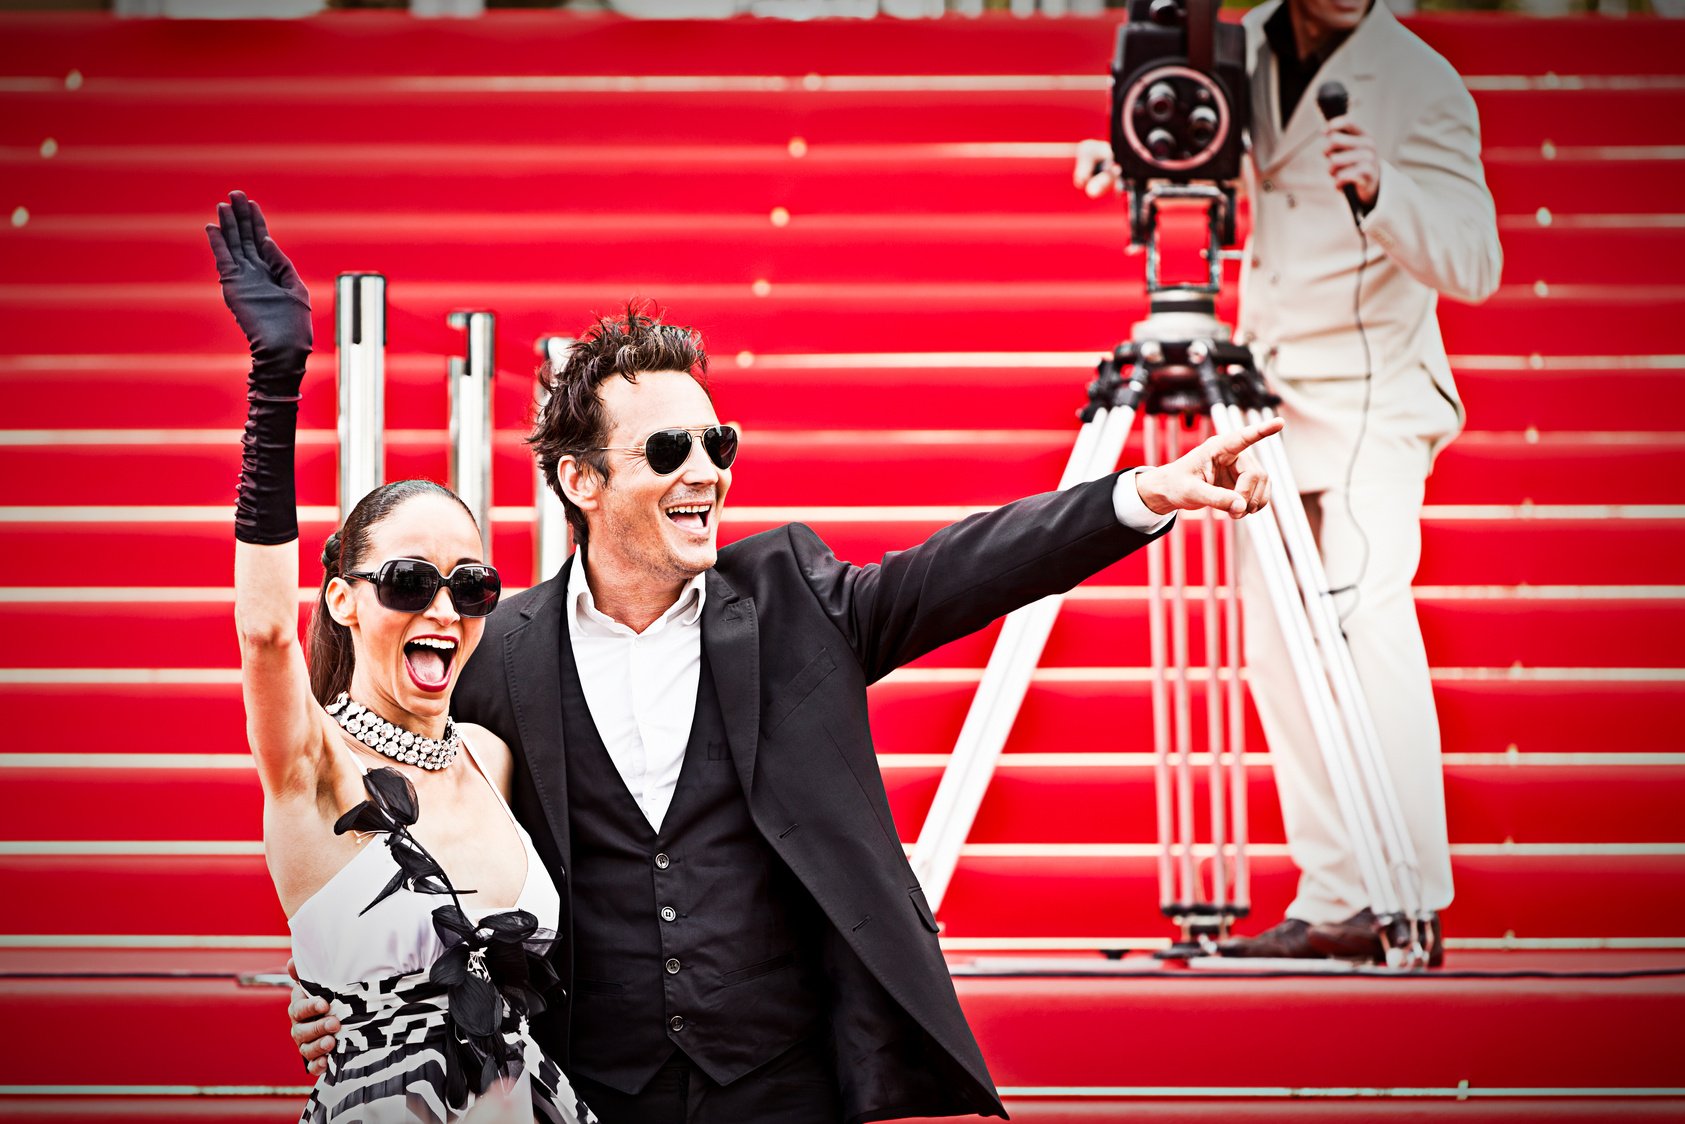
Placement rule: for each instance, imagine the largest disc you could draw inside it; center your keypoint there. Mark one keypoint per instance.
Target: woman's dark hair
(572, 421)
(328, 649)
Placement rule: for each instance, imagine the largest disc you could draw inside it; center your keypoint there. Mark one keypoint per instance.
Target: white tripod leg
(1189, 893)
(1214, 731)
(1234, 707)
(1300, 641)
(1005, 681)
(1372, 779)
(1157, 634)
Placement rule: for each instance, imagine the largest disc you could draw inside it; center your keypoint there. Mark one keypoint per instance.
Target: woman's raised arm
(272, 306)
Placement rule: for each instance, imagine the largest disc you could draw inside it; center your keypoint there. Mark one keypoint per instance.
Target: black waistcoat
(695, 936)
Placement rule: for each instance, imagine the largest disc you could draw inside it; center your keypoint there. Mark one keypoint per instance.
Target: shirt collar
(583, 614)
(1278, 30)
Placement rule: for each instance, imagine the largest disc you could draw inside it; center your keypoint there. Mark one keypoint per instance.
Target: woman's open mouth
(428, 660)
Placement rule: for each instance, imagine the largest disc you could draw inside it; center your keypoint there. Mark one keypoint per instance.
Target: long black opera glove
(272, 307)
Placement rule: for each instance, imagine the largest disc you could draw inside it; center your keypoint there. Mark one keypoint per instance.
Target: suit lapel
(532, 666)
(731, 640)
(1266, 103)
(1352, 65)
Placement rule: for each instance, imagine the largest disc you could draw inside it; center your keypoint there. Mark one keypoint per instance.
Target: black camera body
(1179, 94)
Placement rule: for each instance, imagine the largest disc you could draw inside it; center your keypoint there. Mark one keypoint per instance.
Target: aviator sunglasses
(408, 585)
(667, 449)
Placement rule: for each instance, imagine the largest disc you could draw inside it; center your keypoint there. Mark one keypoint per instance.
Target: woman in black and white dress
(420, 912)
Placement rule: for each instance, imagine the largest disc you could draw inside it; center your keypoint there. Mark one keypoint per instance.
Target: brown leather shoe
(1285, 941)
(1355, 938)
(1358, 937)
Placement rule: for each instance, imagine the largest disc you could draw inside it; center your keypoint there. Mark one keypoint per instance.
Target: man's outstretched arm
(988, 565)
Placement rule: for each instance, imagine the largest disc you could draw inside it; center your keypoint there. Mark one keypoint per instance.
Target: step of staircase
(1020, 892)
(1483, 547)
(1491, 713)
(751, 108)
(1077, 797)
(904, 468)
(1039, 390)
(974, 246)
(625, 178)
(513, 42)
(1069, 1046)
(1104, 627)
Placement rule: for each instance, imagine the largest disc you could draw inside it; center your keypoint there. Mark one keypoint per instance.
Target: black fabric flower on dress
(493, 971)
(393, 809)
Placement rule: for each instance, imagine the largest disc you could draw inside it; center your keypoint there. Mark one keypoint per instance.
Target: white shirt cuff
(1132, 511)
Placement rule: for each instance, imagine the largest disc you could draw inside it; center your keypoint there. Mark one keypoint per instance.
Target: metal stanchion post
(360, 339)
(551, 538)
(470, 415)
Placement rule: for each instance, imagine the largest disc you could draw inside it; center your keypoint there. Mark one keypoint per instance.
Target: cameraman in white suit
(1340, 309)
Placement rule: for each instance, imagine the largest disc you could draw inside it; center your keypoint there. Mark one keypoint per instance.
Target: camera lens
(1202, 126)
(1161, 144)
(1161, 101)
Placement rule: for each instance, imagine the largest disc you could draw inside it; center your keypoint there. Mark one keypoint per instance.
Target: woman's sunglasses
(408, 585)
(667, 449)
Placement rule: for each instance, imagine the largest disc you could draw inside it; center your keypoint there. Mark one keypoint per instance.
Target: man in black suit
(743, 939)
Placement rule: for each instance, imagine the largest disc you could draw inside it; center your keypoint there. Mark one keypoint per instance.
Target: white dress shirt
(641, 687)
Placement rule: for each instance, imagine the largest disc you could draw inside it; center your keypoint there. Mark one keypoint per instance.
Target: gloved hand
(263, 290)
(272, 307)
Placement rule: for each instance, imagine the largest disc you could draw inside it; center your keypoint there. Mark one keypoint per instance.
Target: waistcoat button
(672, 967)
(677, 1022)
(668, 913)
(662, 862)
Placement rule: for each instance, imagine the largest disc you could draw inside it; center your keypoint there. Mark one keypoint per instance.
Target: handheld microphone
(1332, 99)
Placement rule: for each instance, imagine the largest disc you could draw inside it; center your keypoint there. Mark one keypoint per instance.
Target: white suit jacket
(1433, 228)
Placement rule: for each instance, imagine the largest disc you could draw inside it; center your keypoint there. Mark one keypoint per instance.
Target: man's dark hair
(572, 421)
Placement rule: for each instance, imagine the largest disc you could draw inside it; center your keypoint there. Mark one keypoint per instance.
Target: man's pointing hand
(1220, 473)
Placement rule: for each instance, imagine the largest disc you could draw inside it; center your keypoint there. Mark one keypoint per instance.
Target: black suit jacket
(793, 637)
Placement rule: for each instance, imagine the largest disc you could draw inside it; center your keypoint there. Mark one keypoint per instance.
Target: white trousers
(1370, 539)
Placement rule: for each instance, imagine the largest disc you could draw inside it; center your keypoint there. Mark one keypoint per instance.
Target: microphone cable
(1352, 587)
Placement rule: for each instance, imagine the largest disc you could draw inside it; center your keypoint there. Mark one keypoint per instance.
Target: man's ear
(342, 606)
(581, 483)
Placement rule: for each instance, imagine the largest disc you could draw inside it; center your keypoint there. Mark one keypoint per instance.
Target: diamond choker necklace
(394, 741)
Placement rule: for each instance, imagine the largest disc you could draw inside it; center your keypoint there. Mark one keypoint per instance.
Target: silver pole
(551, 540)
(360, 339)
(470, 415)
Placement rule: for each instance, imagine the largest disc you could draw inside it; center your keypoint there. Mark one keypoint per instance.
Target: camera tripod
(1181, 370)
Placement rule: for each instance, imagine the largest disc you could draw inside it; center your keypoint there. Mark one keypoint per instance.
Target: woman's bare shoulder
(493, 754)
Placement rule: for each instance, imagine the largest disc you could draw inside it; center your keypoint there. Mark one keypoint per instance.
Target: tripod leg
(1004, 683)
(1234, 706)
(1160, 688)
(1315, 650)
(1191, 890)
(1331, 737)
(1214, 720)
(1372, 777)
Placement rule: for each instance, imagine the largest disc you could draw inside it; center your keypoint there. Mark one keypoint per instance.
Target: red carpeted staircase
(873, 225)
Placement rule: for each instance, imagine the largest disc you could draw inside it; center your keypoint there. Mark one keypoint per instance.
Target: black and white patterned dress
(433, 998)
